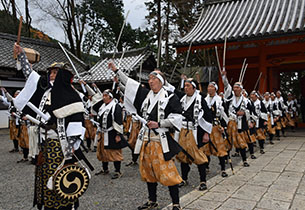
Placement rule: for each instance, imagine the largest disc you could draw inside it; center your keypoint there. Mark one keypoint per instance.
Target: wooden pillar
(263, 69)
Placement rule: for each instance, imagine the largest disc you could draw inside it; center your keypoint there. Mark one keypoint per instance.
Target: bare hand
(152, 124)
(17, 49)
(240, 113)
(205, 138)
(82, 82)
(93, 85)
(117, 139)
(265, 123)
(221, 130)
(112, 66)
(224, 72)
(24, 118)
(115, 79)
(251, 125)
(183, 76)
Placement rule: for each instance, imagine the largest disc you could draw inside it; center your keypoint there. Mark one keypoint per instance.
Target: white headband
(192, 83)
(255, 93)
(214, 84)
(156, 74)
(108, 93)
(239, 85)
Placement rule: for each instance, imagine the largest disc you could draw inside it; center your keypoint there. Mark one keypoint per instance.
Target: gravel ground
(128, 192)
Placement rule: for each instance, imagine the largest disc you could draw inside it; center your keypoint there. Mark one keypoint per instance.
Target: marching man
(196, 127)
(239, 111)
(159, 111)
(261, 119)
(218, 144)
(270, 106)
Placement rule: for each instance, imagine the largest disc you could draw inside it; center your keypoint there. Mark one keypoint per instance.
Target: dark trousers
(134, 157)
(185, 169)
(208, 163)
(277, 133)
(117, 166)
(152, 192)
(222, 163)
(243, 154)
(251, 148)
(88, 143)
(25, 152)
(271, 137)
(15, 142)
(261, 144)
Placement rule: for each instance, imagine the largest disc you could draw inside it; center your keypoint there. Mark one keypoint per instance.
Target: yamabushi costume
(197, 120)
(291, 113)
(271, 110)
(14, 124)
(260, 117)
(238, 129)
(219, 144)
(62, 132)
(111, 125)
(282, 122)
(155, 146)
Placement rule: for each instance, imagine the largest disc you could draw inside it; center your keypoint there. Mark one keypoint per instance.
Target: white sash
(162, 99)
(105, 109)
(186, 105)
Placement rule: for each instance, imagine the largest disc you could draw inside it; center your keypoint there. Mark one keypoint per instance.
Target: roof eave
(251, 38)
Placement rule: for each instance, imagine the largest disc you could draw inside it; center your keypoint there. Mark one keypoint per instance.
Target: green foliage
(8, 24)
(105, 19)
(178, 18)
(291, 83)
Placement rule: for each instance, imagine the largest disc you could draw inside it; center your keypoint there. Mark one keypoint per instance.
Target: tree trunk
(28, 17)
(14, 14)
(167, 32)
(159, 29)
(68, 29)
(5, 6)
(14, 10)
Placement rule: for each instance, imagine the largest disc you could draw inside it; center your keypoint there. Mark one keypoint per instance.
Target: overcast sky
(136, 18)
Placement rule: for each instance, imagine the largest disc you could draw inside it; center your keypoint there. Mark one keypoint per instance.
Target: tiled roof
(246, 19)
(49, 52)
(131, 61)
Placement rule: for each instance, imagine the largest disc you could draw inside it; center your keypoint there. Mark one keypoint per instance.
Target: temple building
(270, 34)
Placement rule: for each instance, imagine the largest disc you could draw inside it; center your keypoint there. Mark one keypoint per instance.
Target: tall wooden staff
(244, 73)
(186, 60)
(116, 46)
(170, 79)
(159, 47)
(119, 38)
(217, 58)
(224, 53)
(198, 81)
(242, 70)
(72, 65)
(259, 77)
(140, 76)
(19, 34)
(32, 55)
